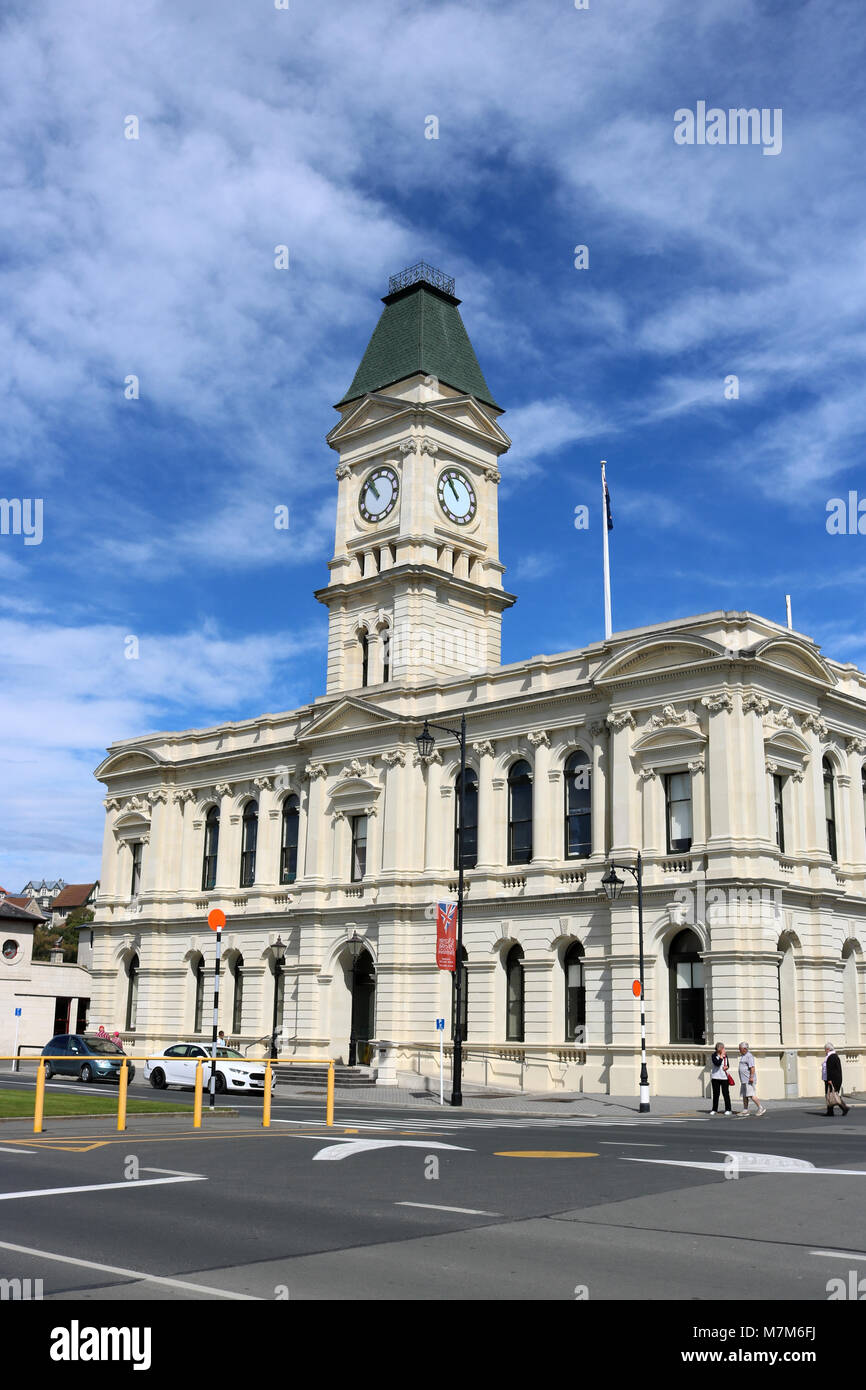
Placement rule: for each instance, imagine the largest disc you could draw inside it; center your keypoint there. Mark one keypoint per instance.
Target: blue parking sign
(440, 1024)
(17, 1013)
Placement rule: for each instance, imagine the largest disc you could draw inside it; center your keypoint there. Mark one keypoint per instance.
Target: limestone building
(724, 748)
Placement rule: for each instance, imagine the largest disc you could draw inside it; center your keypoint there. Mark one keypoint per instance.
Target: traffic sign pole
(15, 1048)
(440, 1029)
(216, 920)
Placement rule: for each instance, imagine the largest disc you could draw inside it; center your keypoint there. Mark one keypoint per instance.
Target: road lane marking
(758, 1163)
(629, 1144)
(840, 1254)
(129, 1273)
(462, 1211)
(16, 1151)
(543, 1153)
(129, 1184)
(349, 1147)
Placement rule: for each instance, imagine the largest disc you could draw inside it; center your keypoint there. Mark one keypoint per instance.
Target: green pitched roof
(420, 330)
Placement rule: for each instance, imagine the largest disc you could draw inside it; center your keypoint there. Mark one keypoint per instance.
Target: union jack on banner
(446, 935)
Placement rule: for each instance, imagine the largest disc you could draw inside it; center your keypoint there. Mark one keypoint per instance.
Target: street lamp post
(355, 943)
(279, 949)
(613, 886)
(425, 742)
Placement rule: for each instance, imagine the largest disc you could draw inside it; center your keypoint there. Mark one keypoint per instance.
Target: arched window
(514, 995)
(386, 654)
(132, 993)
(578, 807)
(137, 848)
(575, 992)
(678, 803)
(520, 813)
(199, 993)
(248, 844)
(211, 848)
(850, 994)
(688, 1023)
(364, 641)
(289, 843)
(464, 997)
(470, 824)
(787, 992)
(830, 807)
(238, 1003)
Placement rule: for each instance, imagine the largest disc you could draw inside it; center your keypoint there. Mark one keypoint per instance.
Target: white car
(176, 1067)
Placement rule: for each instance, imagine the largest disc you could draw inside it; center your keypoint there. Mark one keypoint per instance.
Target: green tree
(46, 936)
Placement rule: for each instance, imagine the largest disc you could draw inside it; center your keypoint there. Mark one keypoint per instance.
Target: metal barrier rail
(123, 1084)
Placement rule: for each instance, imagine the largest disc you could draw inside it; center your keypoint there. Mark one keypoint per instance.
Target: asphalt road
(426, 1203)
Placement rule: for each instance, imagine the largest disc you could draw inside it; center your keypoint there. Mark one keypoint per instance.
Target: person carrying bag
(721, 1079)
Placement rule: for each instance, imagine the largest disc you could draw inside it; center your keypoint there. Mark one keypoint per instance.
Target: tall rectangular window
(359, 847)
(135, 886)
(780, 814)
(678, 799)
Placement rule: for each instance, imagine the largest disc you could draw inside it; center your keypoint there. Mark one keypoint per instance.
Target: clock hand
(453, 489)
(374, 490)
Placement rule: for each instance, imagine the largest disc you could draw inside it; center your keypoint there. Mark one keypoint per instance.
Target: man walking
(748, 1080)
(831, 1073)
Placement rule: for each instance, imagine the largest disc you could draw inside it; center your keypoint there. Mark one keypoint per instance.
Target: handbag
(730, 1078)
(833, 1097)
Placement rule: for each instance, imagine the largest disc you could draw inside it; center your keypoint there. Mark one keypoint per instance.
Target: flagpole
(608, 628)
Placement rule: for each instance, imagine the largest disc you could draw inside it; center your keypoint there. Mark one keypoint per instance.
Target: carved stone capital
(180, 798)
(718, 701)
(424, 760)
(780, 719)
(697, 765)
(492, 475)
(223, 788)
(646, 774)
(539, 737)
(771, 767)
(428, 446)
(357, 769)
(112, 803)
(342, 470)
(158, 796)
(314, 770)
(407, 446)
(622, 719)
(855, 745)
(596, 730)
(484, 749)
(755, 702)
(396, 757)
(263, 784)
(816, 723)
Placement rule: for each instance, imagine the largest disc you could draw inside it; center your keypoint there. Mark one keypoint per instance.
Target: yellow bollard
(199, 1079)
(266, 1110)
(329, 1113)
(40, 1099)
(121, 1095)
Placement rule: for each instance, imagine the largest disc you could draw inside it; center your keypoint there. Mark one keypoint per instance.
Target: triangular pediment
(346, 716)
(369, 412)
(463, 410)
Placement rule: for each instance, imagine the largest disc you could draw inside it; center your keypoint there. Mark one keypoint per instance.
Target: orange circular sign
(216, 919)
(635, 989)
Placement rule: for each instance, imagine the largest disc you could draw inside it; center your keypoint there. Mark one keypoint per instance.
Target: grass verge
(19, 1105)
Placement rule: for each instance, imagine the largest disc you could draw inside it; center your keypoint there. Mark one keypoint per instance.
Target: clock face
(457, 496)
(379, 494)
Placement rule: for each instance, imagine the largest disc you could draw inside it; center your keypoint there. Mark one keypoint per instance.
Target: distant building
(73, 896)
(41, 894)
(53, 997)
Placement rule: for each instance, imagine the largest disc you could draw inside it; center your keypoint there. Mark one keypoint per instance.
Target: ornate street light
(278, 950)
(613, 886)
(425, 742)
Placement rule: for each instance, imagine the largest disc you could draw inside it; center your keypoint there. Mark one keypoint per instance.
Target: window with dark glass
(830, 807)
(686, 968)
(470, 824)
(137, 849)
(199, 995)
(289, 844)
(211, 847)
(779, 813)
(514, 995)
(863, 780)
(386, 654)
(464, 997)
(578, 807)
(249, 839)
(678, 801)
(520, 814)
(359, 847)
(365, 655)
(132, 993)
(238, 1003)
(575, 991)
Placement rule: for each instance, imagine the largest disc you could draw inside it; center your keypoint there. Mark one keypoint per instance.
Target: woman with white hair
(831, 1075)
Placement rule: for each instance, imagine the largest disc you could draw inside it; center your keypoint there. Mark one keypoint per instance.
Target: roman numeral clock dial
(457, 496)
(379, 494)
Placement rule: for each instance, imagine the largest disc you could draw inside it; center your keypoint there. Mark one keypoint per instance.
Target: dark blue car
(86, 1056)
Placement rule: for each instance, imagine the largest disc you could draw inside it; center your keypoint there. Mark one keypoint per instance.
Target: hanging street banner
(446, 935)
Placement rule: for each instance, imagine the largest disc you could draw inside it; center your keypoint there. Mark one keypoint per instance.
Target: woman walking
(831, 1075)
(721, 1079)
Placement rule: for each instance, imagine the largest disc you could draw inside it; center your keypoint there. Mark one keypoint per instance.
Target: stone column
(109, 877)
(600, 774)
(318, 831)
(433, 810)
(542, 821)
(268, 842)
(189, 875)
(699, 804)
(725, 814)
(856, 855)
(486, 818)
(652, 807)
(625, 830)
(759, 788)
(228, 874)
(395, 814)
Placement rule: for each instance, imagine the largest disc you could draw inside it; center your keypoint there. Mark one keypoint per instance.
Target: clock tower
(415, 593)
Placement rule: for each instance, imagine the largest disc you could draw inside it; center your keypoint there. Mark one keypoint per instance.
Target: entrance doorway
(362, 983)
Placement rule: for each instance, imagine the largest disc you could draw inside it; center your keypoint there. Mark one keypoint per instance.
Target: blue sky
(261, 127)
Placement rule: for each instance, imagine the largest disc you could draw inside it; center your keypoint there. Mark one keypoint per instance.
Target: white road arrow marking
(359, 1146)
(753, 1163)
